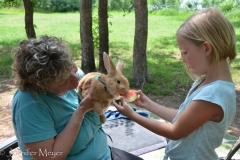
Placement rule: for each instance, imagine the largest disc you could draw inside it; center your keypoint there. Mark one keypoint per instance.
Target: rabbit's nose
(123, 91)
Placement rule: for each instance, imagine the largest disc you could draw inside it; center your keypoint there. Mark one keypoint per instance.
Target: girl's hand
(142, 100)
(123, 107)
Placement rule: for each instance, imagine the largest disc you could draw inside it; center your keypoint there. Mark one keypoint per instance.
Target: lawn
(165, 69)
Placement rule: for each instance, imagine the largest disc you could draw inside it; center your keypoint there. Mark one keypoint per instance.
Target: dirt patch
(7, 89)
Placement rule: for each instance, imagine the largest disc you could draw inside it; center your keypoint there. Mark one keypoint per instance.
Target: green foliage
(161, 4)
(192, 5)
(5, 62)
(95, 31)
(234, 16)
(172, 12)
(172, 3)
(64, 5)
(61, 5)
(120, 5)
(237, 3)
(45, 4)
(209, 3)
(11, 3)
(2, 4)
(16, 3)
(226, 6)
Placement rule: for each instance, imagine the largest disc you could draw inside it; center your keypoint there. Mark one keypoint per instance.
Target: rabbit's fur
(105, 87)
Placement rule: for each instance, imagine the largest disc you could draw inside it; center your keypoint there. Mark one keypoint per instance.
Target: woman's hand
(86, 104)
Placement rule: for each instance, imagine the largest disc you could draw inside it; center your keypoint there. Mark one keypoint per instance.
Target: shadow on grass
(236, 63)
(6, 56)
(166, 72)
(44, 11)
(5, 14)
(238, 45)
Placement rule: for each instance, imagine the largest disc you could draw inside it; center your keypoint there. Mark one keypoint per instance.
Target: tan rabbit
(104, 87)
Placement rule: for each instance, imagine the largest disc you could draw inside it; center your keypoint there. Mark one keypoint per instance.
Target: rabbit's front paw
(102, 118)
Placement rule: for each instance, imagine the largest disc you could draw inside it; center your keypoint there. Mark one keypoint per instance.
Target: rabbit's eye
(118, 81)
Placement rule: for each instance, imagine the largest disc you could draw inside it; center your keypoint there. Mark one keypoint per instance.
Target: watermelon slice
(130, 97)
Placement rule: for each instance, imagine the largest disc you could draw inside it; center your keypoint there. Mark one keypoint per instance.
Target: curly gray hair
(40, 62)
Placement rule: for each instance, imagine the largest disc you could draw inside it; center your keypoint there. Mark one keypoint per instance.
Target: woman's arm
(59, 146)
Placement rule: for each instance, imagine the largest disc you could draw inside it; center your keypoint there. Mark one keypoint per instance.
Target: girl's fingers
(116, 104)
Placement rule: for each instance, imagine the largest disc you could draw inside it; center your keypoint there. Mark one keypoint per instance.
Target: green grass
(165, 69)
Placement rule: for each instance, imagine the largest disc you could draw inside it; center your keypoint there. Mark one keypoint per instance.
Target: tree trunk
(103, 32)
(88, 62)
(140, 75)
(29, 27)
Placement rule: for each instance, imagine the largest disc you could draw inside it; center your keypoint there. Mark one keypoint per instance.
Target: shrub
(226, 6)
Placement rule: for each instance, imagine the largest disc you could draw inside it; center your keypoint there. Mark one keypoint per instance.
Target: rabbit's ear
(120, 65)
(108, 63)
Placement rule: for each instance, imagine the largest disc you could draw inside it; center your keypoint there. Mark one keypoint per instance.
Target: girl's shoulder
(220, 86)
(218, 92)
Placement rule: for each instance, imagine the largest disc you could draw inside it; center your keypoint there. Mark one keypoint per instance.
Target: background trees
(98, 41)
(88, 62)
(29, 26)
(103, 32)
(28, 5)
(140, 74)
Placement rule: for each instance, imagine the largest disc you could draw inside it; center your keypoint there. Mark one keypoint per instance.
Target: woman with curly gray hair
(49, 122)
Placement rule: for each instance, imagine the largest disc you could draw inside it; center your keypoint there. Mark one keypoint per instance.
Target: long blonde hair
(212, 26)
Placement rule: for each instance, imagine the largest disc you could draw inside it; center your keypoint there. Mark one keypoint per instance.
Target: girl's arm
(163, 112)
(196, 114)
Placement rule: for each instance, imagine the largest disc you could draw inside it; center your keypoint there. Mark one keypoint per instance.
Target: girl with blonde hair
(207, 43)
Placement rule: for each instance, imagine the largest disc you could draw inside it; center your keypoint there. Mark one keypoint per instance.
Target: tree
(103, 32)
(28, 6)
(29, 27)
(140, 74)
(88, 63)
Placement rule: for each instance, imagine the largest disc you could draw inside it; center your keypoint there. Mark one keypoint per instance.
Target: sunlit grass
(165, 69)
